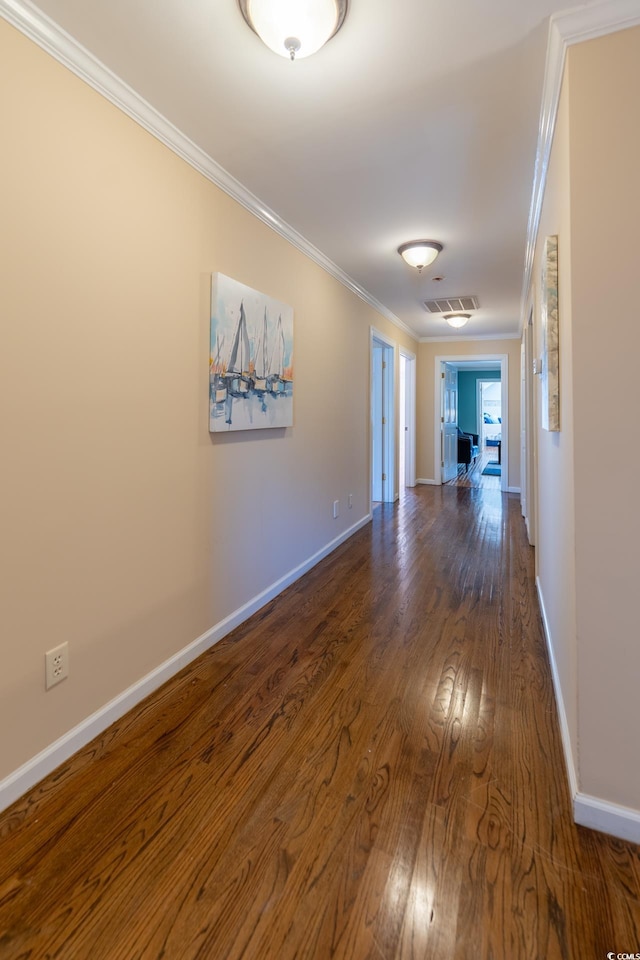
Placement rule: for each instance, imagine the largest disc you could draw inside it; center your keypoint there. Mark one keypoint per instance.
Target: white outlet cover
(56, 663)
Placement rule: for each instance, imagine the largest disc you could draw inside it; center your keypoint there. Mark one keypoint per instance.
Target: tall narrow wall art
(250, 359)
(550, 334)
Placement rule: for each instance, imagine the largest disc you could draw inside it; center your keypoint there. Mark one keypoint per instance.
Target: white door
(523, 429)
(407, 439)
(377, 420)
(382, 420)
(402, 425)
(449, 421)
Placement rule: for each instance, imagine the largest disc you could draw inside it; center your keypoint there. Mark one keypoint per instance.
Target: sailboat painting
(250, 359)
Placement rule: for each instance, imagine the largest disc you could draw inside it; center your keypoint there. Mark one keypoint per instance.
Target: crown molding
(33, 23)
(565, 30)
(598, 20)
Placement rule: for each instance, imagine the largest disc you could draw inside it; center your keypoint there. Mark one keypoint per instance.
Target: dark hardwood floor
(473, 476)
(368, 768)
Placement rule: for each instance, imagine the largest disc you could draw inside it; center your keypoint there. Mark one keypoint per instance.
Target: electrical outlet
(56, 665)
(350, 501)
(336, 508)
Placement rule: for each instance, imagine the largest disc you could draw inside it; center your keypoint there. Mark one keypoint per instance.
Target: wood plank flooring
(473, 477)
(368, 768)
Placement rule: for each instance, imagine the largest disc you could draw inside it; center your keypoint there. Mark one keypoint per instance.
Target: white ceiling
(419, 119)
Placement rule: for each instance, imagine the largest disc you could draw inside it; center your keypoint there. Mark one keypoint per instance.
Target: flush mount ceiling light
(419, 253)
(457, 319)
(294, 28)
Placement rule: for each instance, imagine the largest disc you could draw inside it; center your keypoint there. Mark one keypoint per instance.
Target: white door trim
(410, 417)
(503, 359)
(479, 416)
(389, 493)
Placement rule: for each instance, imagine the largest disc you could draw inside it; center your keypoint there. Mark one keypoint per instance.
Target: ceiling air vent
(451, 304)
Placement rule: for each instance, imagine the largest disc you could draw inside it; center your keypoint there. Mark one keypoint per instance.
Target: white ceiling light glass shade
(419, 253)
(294, 28)
(457, 319)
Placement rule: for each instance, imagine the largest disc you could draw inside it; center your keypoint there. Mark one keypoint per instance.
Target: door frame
(378, 340)
(409, 416)
(445, 423)
(503, 359)
(530, 421)
(479, 418)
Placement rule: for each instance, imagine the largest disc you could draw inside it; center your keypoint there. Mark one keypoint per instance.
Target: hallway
(370, 767)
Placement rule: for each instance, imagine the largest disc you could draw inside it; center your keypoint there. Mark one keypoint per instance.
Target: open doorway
(489, 412)
(449, 421)
(382, 418)
(488, 465)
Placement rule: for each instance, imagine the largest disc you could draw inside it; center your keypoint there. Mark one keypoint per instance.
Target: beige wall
(605, 212)
(127, 529)
(588, 526)
(427, 352)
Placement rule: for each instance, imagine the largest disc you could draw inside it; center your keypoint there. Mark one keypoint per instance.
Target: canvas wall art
(550, 320)
(250, 359)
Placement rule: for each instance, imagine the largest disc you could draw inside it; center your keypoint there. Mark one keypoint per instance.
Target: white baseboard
(34, 770)
(588, 811)
(434, 483)
(572, 774)
(621, 822)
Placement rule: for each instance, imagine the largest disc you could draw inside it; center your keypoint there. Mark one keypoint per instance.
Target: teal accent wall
(467, 395)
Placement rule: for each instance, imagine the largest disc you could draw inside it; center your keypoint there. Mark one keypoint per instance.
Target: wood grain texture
(473, 476)
(368, 768)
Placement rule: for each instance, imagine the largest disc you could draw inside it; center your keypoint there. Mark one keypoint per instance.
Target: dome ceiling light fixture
(419, 253)
(294, 28)
(457, 319)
